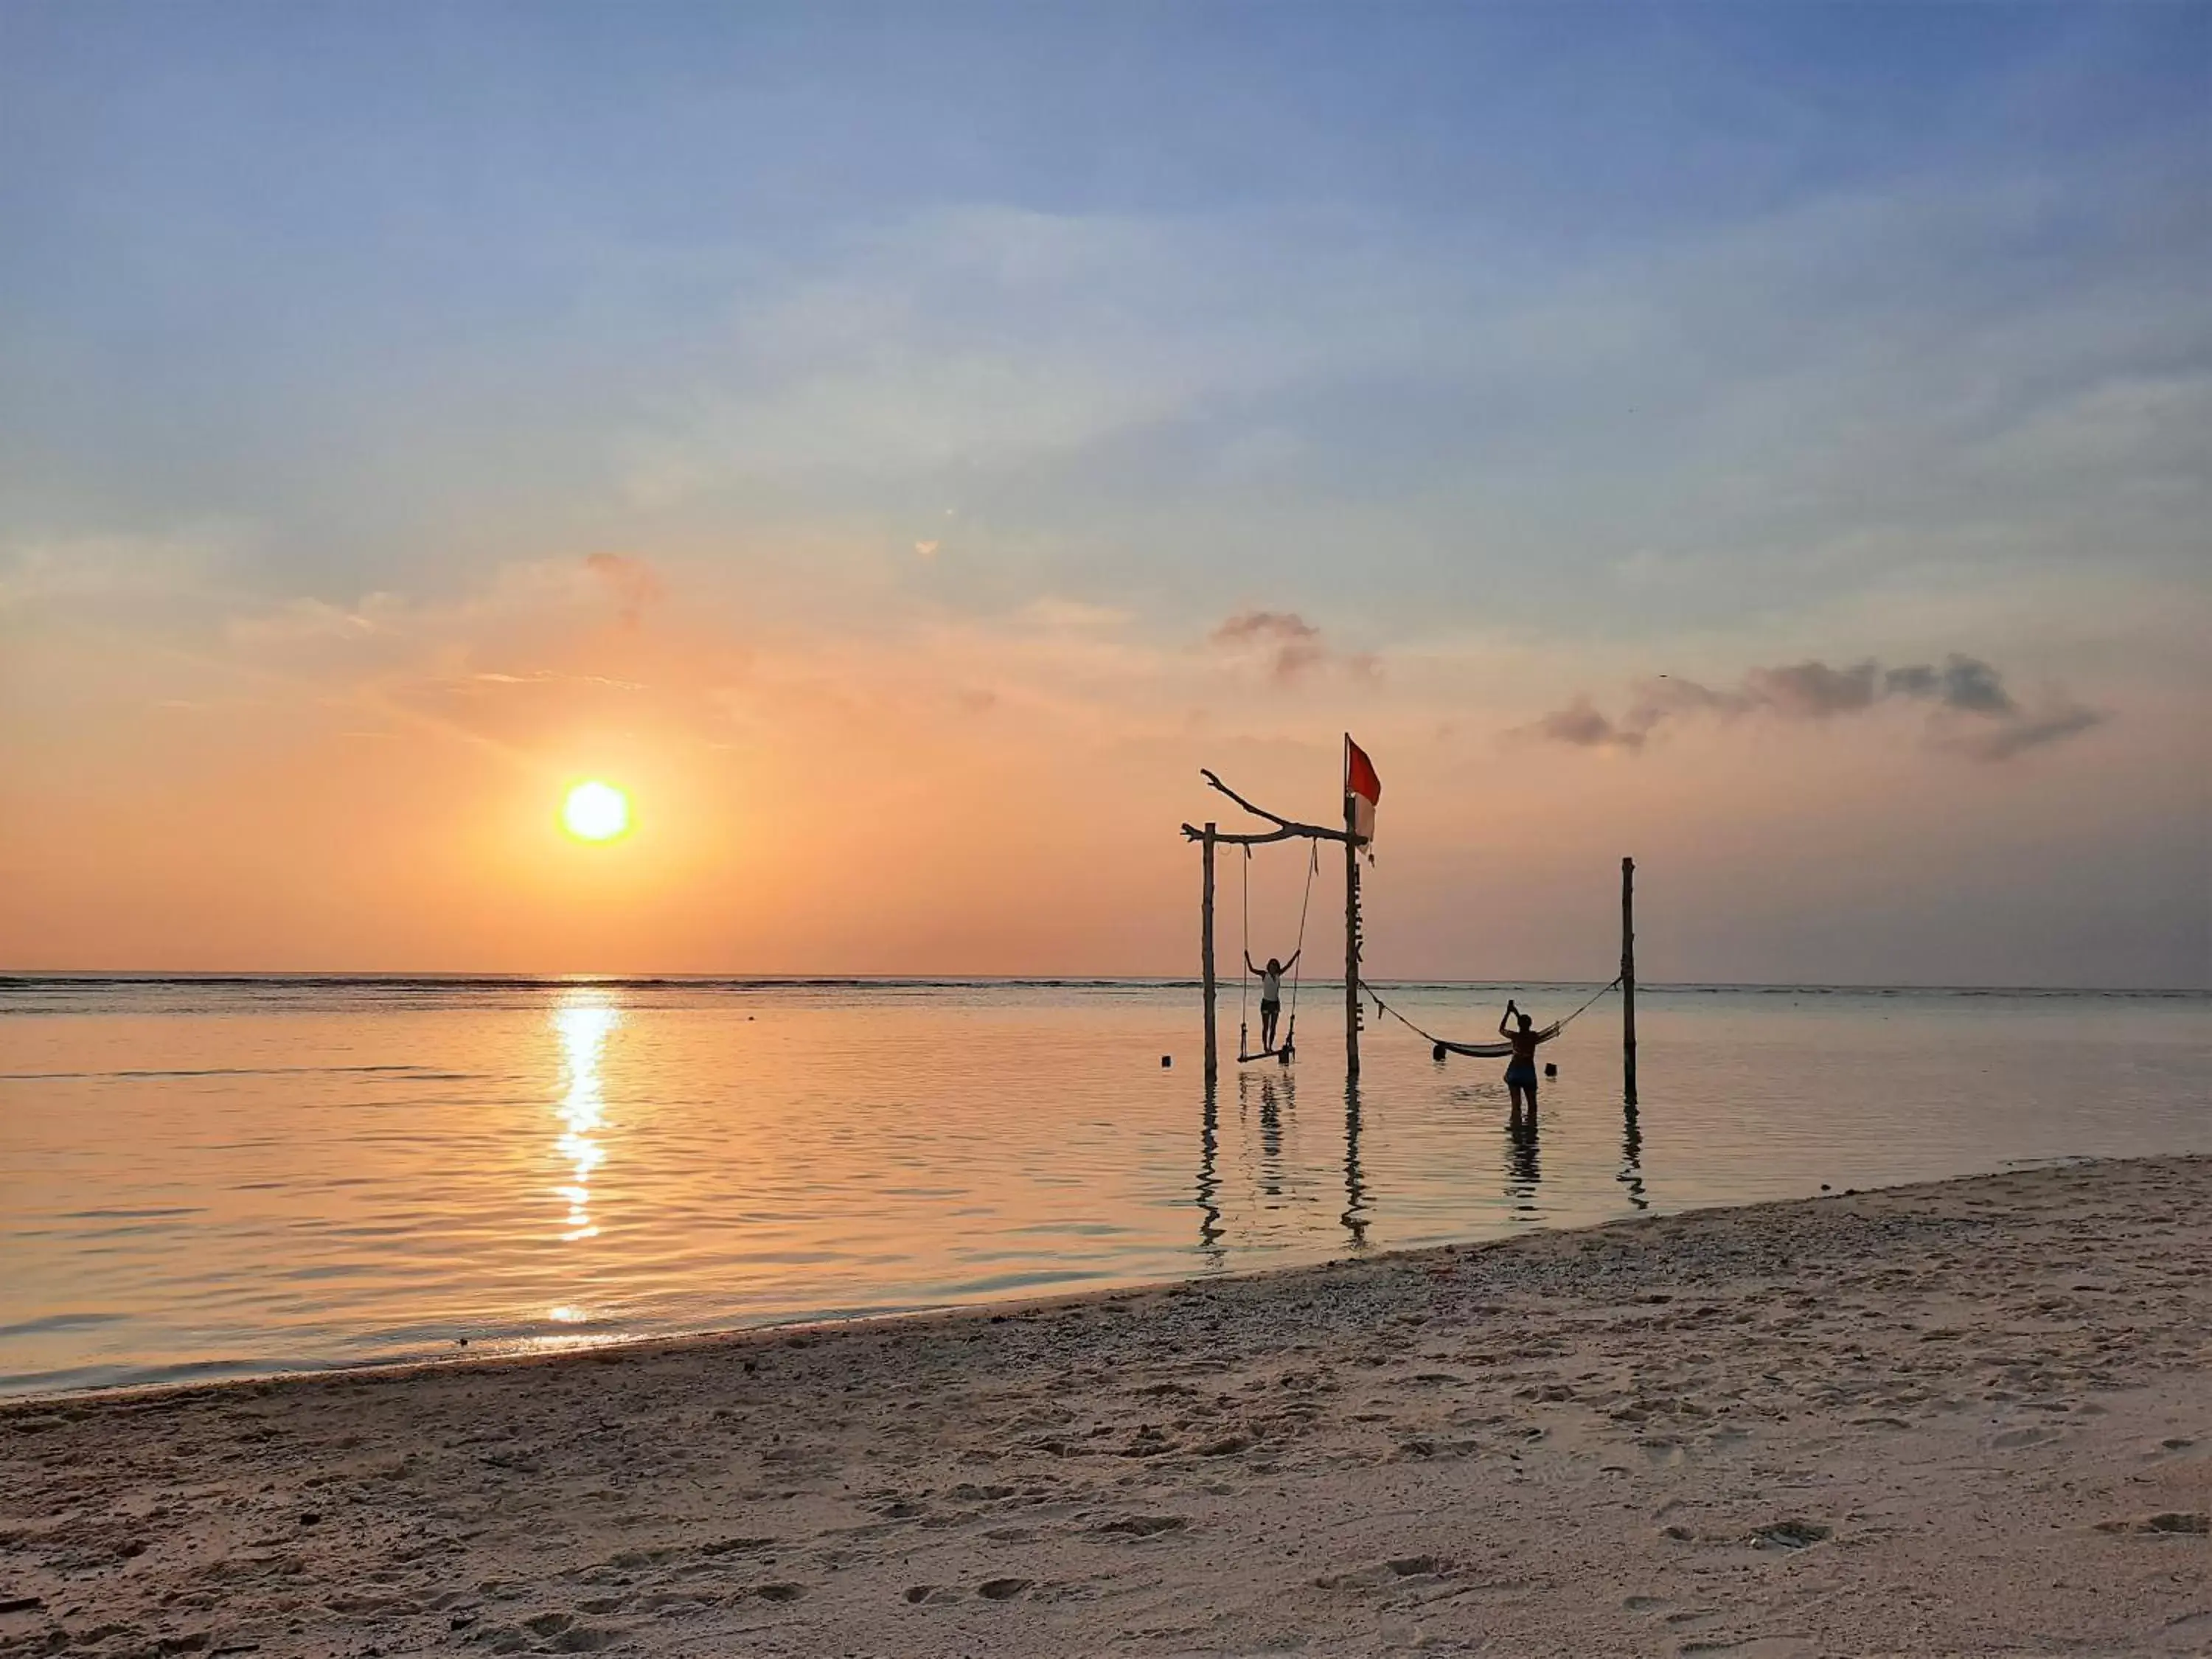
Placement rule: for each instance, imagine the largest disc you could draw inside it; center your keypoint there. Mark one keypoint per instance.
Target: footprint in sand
(2188, 1627)
(1397, 1569)
(2175, 1521)
(1143, 1526)
(562, 1632)
(1791, 1534)
(1002, 1589)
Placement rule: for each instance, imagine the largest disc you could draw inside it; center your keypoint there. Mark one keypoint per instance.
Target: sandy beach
(1972, 1417)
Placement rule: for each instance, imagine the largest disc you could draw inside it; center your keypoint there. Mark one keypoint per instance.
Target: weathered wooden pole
(1628, 981)
(1355, 1180)
(1350, 937)
(1205, 953)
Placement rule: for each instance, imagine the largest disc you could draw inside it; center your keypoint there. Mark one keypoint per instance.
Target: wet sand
(1972, 1417)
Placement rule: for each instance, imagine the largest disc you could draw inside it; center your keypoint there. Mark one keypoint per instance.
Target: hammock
(1282, 1049)
(1478, 1050)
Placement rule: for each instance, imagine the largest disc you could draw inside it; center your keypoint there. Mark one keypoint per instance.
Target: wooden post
(1351, 940)
(1628, 981)
(1355, 1180)
(1206, 954)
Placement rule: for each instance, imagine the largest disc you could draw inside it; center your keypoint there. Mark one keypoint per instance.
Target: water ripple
(305, 1173)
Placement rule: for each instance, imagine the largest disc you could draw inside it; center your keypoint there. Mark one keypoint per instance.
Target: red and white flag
(1363, 790)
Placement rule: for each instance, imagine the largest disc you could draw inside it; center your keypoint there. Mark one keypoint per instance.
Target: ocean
(203, 1177)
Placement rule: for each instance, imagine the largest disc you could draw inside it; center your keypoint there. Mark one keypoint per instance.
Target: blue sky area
(1715, 337)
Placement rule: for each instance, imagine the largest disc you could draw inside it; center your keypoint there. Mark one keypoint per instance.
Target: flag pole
(1628, 982)
(1205, 951)
(1351, 922)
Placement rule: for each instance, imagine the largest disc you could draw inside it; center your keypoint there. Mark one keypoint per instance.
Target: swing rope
(1244, 993)
(1313, 863)
(1481, 1050)
(1285, 1042)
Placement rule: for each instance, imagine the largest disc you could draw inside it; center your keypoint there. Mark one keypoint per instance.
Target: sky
(901, 445)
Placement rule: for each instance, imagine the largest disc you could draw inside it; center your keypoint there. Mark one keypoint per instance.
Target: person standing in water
(1520, 1070)
(1270, 994)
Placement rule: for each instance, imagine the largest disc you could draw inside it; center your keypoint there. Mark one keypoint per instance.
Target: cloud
(1811, 690)
(300, 620)
(550, 676)
(1960, 688)
(2028, 731)
(635, 583)
(1974, 686)
(111, 569)
(1292, 645)
(1581, 724)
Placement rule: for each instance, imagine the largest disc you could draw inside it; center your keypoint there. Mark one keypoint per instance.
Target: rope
(1482, 1050)
(1244, 991)
(1313, 863)
(1285, 1037)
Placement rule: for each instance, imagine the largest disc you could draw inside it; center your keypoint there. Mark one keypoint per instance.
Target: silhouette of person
(1520, 1070)
(1270, 994)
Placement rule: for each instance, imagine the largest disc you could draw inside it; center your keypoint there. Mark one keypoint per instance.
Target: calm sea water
(204, 1178)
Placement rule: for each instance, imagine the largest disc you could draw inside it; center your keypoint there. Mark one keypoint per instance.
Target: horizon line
(21, 977)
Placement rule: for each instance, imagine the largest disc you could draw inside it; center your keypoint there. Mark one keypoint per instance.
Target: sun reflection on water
(583, 1025)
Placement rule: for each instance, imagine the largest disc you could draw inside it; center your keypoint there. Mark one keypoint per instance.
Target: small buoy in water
(1440, 1052)
(1824, 1186)
(464, 1342)
(1551, 1068)
(1167, 1059)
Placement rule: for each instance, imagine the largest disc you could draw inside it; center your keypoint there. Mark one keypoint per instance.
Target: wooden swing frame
(1210, 835)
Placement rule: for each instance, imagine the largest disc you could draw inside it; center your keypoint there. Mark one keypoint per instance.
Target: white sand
(1974, 1417)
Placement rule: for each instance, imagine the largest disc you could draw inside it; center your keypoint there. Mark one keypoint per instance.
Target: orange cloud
(635, 583)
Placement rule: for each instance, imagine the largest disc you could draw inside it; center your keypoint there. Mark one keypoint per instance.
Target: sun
(595, 811)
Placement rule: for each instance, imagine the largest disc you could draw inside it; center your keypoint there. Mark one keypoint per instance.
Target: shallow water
(204, 1178)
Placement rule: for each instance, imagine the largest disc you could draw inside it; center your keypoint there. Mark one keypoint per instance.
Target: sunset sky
(899, 444)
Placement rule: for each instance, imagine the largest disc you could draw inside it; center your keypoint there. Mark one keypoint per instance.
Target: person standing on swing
(1520, 1070)
(1270, 994)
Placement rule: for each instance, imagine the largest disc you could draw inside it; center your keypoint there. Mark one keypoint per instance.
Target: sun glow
(595, 811)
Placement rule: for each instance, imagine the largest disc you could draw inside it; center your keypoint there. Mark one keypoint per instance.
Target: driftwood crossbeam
(1285, 829)
(1209, 836)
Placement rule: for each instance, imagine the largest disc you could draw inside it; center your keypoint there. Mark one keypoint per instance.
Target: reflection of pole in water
(1631, 1158)
(1209, 1183)
(1355, 1183)
(1271, 1132)
(1523, 1171)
